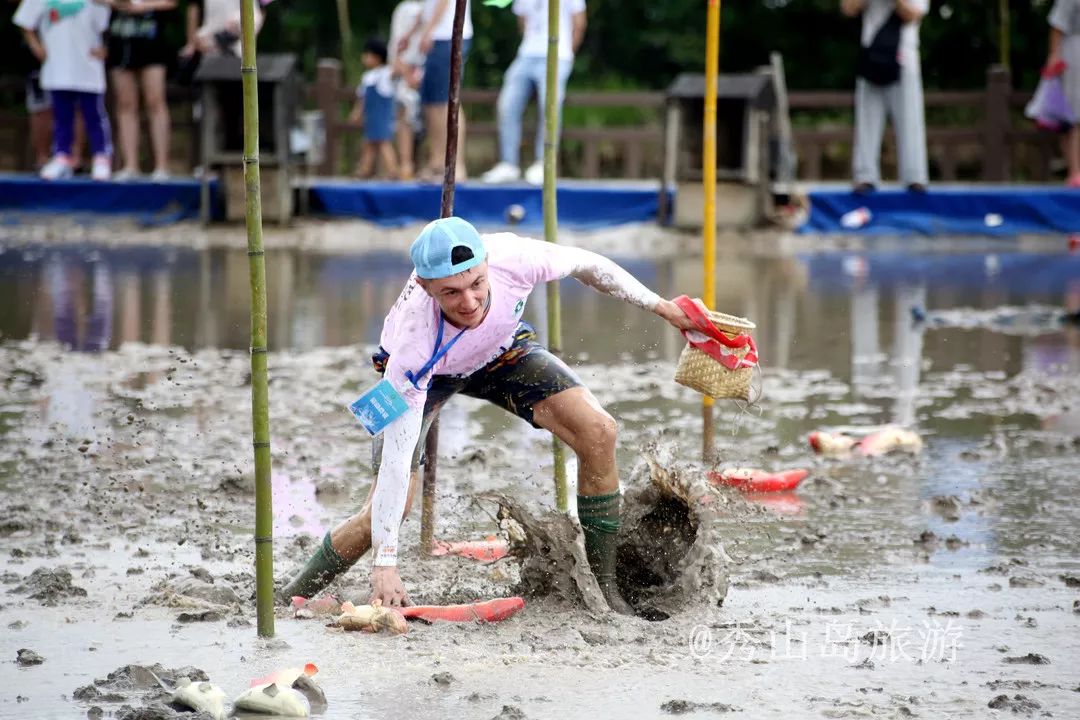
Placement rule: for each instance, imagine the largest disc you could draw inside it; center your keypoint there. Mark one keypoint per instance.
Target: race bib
(378, 407)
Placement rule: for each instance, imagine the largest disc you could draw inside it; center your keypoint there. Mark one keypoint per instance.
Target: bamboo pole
(260, 399)
(1004, 34)
(551, 228)
(431, 443)
(708, 294)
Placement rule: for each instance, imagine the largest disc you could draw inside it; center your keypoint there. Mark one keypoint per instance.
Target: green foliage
(643, 44)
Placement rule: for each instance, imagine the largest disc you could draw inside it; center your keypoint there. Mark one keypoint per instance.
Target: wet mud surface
(931, 586)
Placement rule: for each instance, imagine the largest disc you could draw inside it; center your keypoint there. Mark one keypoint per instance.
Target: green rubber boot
(323, 566)
(600, 519)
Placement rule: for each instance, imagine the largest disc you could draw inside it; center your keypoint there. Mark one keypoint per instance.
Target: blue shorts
(378, 116)
(435, 87)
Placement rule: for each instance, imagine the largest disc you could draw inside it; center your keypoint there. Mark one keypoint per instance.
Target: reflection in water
(907, 352)
(82, 316)
(865, 348)
(823, 311)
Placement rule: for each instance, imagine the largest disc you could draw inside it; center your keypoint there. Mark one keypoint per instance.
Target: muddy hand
(386, 587)
(674, 315)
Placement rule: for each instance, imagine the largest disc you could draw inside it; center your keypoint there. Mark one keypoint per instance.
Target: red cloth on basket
(712, 341)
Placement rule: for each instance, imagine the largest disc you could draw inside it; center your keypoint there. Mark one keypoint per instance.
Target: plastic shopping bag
(1049, 108)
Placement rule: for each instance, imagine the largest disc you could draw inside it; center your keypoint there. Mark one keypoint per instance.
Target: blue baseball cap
(441, 243)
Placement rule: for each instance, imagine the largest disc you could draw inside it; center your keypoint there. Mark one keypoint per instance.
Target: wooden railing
(586, 152)
(971, 135)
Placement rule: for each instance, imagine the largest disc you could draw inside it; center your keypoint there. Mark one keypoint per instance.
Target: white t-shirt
(877, 12)
(69, 30)
(401, 22)
(535, 15)
(381, 78)
(444, 27)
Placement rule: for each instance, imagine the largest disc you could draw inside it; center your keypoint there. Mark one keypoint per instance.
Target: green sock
(599, 516)
(323, 566)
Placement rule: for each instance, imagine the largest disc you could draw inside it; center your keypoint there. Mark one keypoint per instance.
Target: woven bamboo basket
(697, 370)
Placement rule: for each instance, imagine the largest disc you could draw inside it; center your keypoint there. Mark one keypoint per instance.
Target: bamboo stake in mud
(260, 398)
(551, 228)
(708, 294)
(431, 443)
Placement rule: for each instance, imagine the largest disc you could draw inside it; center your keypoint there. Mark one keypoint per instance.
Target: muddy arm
(606, 276)
(392, 485)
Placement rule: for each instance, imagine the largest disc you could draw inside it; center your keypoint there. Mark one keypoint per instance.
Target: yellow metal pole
(708, 294)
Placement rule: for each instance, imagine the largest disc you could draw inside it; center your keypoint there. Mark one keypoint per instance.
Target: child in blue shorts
(375, 107)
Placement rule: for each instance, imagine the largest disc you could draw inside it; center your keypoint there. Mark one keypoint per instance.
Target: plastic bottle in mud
(856, 218)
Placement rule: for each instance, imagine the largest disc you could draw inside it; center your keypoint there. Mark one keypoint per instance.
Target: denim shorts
(435, 86)
(516, 381)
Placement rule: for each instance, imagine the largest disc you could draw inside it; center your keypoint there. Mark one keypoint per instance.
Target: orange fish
(754, 480)
(489, 549)
(481, 612)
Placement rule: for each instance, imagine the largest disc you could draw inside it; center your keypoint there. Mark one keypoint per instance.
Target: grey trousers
(903, 103)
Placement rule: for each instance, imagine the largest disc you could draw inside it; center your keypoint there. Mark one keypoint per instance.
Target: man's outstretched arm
(388, 506)
(608, 277)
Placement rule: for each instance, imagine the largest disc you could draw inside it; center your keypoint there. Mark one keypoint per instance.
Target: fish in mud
(307, 687)
(300, 679)
(304, 608)
(286, 676)
(371, 618)
(272, 699)
(879, 441)
(889, 439)
(201, 697)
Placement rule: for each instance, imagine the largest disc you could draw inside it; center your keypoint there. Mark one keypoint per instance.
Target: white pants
(903, 103)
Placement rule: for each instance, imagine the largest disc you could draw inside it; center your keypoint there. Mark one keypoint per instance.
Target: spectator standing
(436, 27)
(1065, 46)
(38, 106)
(375, 104)
(138, 58)
(895, 92)
(213, 28)
(527, 72)
(408, 68)
(66, 39)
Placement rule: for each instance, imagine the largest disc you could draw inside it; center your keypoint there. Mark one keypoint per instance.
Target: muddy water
(125, 460)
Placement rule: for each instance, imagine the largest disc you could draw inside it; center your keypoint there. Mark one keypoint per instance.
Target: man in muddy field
(456, 327)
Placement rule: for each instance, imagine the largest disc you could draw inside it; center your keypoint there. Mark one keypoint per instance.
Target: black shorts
(137, 53)
(516, 381)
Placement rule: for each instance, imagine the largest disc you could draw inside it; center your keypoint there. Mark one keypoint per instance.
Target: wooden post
(431, 443)
(1004, 32)
(996, 125)
(327, 83)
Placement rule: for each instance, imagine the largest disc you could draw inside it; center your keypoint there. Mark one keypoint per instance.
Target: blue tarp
(580, 206)
(956, 210)
(151, 203)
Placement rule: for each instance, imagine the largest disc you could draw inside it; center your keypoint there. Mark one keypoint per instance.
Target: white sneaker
(102, 168)
(125, 175)
(58, 168)
(159, 176)
(504, 172)
(535, 174)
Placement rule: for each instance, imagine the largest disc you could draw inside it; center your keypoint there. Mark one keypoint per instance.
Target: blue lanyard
(436, 355)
